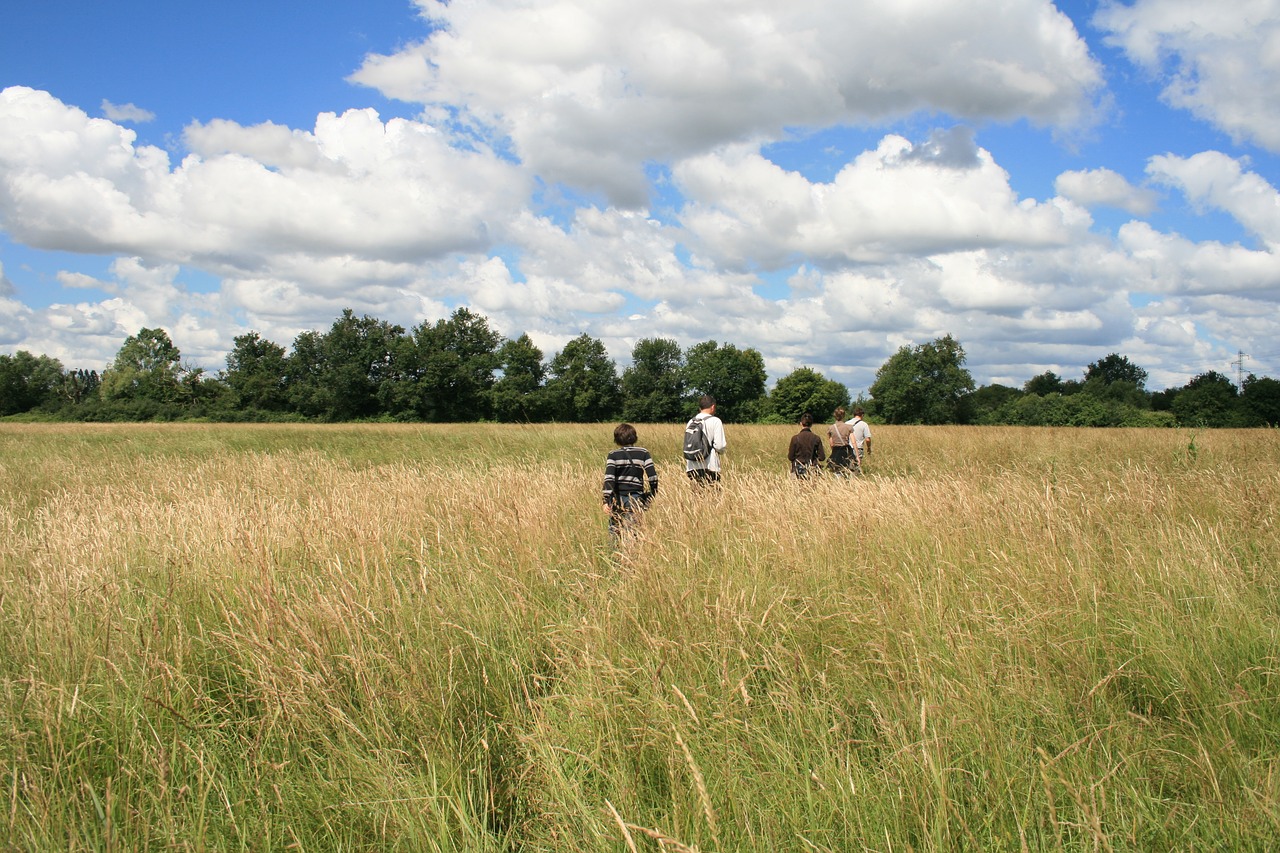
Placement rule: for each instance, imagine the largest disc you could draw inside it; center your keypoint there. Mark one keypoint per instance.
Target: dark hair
(624, 434)
(806, 420)
(838, 414)
(858, 411)
(706, 401)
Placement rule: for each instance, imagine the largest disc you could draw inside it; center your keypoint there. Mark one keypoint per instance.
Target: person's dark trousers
(625, 512)
(841, 458)
(704, 476)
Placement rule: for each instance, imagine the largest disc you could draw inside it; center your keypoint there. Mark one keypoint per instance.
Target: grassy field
(418, 638)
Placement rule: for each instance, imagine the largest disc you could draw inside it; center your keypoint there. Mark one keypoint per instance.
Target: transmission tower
(1239, 363)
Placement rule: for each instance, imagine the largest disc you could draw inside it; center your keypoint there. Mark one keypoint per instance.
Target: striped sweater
(625, 472)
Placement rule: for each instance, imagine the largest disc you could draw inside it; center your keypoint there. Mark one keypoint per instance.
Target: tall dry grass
(419, 638)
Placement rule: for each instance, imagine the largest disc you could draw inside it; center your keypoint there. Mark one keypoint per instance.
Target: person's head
(806, 420)
(624, 435)
(858, 412)
(839, 413)
(707, 403)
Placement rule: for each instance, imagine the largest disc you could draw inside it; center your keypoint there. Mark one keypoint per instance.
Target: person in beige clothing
(841, 436)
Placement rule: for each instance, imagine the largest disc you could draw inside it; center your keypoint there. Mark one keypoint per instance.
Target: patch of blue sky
(1172, 216)
(633, 305)
(819, 155)
(559, 202)
(1223, 365)
(665, 200)
(1201, 224)
(1262, 362)
(1031, 157)
(198, 281)
(683, 254)
(468, 135)
(186, 55)
(1109, 220)
(511, 256)
(42, 277)
(774, 284)
(1034, 168)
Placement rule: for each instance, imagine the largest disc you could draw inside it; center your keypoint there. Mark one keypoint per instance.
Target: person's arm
(608, 483)
(651, 472)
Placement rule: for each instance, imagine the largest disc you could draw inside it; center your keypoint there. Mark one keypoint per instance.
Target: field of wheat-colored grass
(408, 637)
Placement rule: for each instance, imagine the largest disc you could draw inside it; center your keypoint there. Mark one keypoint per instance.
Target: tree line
(460, 370)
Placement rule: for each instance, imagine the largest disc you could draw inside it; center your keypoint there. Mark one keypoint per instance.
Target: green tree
(1261, 397)
(338, 376)
(984, 405)
(79, 386)
(1116, 368)
(924, 384)
(444, 371)
(806, 390)
(653, 386)
(358, 356)
(1119, 383)
(1044, 384)
(145, 379)
(1034, 410)
(257, 373)
(1074, 410)
(305, 386)
(518, 395)
(736, 378)
(28, 382)
(208, 396)
(583, 386)
(1162, 401)
(1208, 400)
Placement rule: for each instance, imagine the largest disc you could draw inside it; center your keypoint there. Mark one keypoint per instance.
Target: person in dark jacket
(626, 469)
(806, 449)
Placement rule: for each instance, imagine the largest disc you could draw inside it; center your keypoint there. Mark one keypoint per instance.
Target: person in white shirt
(861, 438)
(707, 470)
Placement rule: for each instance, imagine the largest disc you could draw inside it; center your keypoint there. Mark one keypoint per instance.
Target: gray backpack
(697, 444)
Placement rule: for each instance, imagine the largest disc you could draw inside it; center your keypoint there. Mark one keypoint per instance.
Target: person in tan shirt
(841, 435)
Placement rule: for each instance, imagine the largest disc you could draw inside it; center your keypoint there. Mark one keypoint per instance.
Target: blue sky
(824, 181)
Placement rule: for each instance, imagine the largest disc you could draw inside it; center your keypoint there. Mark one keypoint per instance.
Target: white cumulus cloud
(126, 113)
(80, 281)
(897, 200)
(1221, 62)
(1094, 187)
(1216, 180)
(588, 92)
(354, 186)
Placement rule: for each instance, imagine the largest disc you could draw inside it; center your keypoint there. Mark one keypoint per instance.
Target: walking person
(704, 441)
(806, 450)
(626, 469)
(842, 453)
(861, 438)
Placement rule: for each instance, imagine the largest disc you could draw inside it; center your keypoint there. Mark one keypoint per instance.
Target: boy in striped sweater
(625, 471)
